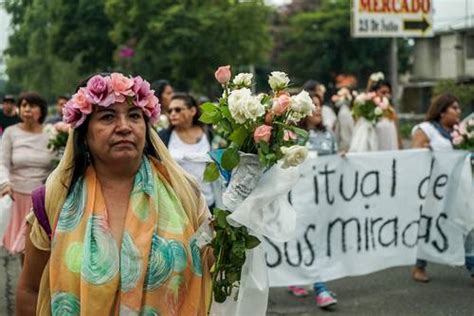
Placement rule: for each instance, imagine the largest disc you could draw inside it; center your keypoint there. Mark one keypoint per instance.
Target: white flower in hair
(377, 76)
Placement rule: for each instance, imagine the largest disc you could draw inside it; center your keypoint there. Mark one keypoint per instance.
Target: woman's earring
(88, 158)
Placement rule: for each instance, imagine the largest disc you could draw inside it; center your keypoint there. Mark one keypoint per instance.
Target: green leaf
(210, 118)
(264, 147)
(211, 173)
(209, 107)
(239, 135)
(300, 132)
(230, 158)
(251, 242)
(226, 113)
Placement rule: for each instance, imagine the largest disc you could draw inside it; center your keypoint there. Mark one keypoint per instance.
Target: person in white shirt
(188, 139)
(435, 133)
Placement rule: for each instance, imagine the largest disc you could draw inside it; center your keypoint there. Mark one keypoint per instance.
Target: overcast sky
(448, 13)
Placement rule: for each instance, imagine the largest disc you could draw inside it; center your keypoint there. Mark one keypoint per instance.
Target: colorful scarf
(157, 270)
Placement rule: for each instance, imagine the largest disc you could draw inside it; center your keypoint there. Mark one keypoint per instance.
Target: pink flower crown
(105, 91)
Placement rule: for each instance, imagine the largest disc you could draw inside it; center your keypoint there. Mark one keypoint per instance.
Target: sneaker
(325, 299)
(419, 274)
(298, 291)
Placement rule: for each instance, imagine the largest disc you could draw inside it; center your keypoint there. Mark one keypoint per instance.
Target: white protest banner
(371, 211)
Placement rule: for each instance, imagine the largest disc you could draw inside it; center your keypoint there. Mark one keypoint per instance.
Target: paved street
(390, 292)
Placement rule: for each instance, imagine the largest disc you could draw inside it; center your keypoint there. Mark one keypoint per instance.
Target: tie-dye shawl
(156, 271)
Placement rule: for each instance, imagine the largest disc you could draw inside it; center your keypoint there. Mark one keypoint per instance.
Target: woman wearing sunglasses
(187, 139)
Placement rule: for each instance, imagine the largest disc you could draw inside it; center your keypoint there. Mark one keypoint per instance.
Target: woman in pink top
(25, 162)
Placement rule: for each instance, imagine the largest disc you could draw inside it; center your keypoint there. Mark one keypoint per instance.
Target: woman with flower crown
(116, 231)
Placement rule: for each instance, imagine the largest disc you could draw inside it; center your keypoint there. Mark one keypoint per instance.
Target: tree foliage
(186, 40)
(55, 43)
(464, 92)
(318, 45)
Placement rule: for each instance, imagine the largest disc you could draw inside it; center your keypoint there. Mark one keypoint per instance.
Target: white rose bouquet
(58, 135)
(254, 124)
(260, 130)
(370, 107)
(463, 135)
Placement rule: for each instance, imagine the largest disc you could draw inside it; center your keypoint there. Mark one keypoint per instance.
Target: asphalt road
(389, 292)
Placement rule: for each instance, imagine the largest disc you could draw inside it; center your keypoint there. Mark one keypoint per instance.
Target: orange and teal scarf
(156, 271)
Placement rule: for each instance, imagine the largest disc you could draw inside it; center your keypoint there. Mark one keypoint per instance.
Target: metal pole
(394, 73)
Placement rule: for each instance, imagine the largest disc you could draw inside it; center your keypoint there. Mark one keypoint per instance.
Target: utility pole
(394, 73)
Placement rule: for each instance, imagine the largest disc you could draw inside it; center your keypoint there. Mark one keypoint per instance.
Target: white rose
(377, 76)
(237, 104)
(50, 130)
(243, 79)
(378, 111)
(293, 156)
(254, 108)
(302, 104)
(278, 80)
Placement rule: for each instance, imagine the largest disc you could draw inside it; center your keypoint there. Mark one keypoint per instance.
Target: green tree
(55, 44)
(318, 45)
(465, 93)
(186, 40)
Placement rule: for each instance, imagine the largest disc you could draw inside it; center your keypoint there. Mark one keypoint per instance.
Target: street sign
(392, 18)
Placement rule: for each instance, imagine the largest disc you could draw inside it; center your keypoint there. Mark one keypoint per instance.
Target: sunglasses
(177, 110)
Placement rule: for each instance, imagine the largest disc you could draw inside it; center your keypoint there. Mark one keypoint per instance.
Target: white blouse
(180, 150)
(437, 141)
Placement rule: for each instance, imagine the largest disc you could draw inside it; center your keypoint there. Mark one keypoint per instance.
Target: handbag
(38, 199)
(5, 214)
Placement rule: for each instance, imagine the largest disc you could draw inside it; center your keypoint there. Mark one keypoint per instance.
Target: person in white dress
(345, 122)
(435, 133)
(388, 136)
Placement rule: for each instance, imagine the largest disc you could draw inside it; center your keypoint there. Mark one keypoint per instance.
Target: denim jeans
(469, 248)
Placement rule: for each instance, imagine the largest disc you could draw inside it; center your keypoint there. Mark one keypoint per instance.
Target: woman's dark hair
(379, 84)
(190, 102)
(310, 85)
(34, 98)
(439, 105)
(82, 157)
(159, 86)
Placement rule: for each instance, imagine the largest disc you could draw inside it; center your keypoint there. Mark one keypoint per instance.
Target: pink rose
(288, 135)
(72, 115)
(99, 91)
(223, 74)
(152, 109)
(262, 133)
(122, 86)
(281, 104)
(81, 102)
(142, 91)
(457, 140)
(334, 98)
(462, 129)
(62, 127)
(455, 134)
